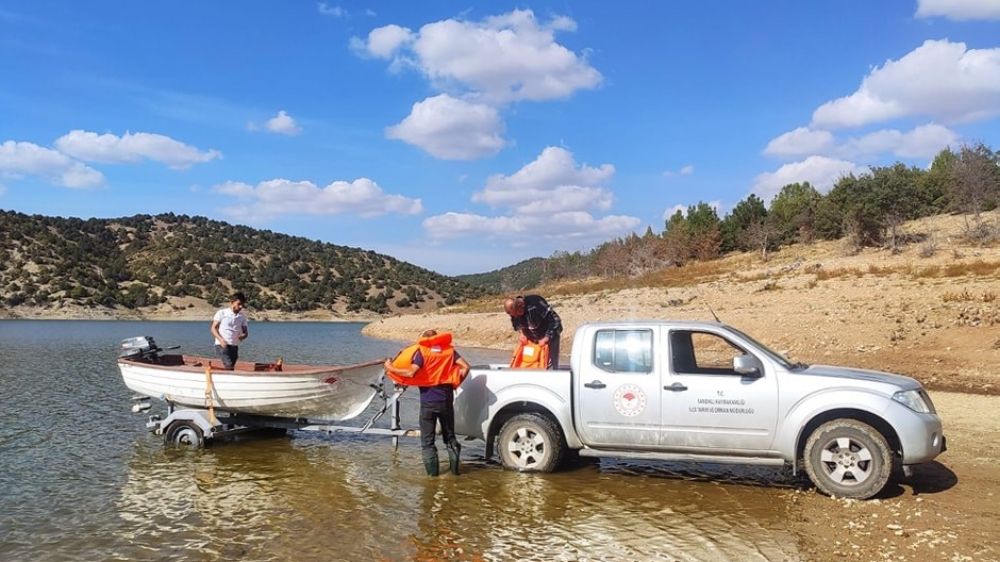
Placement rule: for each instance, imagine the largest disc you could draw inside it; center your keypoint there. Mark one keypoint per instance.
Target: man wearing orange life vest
(436, 368)
(537, 322)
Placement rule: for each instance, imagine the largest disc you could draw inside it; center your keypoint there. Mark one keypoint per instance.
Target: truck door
(618, 391)
(706, 404)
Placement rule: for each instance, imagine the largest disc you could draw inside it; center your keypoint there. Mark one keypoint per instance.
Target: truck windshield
(774, 355)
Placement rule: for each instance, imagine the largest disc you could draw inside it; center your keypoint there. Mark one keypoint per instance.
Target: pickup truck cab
(702, 391)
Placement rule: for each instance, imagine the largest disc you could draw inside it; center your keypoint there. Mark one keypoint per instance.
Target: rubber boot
(431, 462)
(454, 452)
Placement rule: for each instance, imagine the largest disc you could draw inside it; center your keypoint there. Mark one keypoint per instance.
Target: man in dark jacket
(537, 322)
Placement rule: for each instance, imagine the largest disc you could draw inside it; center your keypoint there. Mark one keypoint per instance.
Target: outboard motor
(141, 348)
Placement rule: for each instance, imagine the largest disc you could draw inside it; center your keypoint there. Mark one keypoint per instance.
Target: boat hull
(327, 393)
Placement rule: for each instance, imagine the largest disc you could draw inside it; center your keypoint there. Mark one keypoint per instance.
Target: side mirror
(748, 366)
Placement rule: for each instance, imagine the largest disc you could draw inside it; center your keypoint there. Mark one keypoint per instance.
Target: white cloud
(327, 10)
(277, 197)
(800, 142)
(549, 200)
(19, 159)
(552, 183)
(715, 204)
(234, 188)
(132, 147)
(684, 171)
(673, 211)
(383, 42)
(820, 171)
(921, 142)
(940, 79)
(577, 226)
(451, 129)
(283, 124)
(500, 59)
(960, 10)
(924, 141)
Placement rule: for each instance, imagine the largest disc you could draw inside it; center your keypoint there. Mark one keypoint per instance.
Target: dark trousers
(430, 414)
(228, 355)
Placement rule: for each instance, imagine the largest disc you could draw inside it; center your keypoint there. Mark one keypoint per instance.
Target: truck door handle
(676, 387)
(595, 384)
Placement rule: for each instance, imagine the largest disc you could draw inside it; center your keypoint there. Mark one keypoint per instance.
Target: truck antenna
(709, 305)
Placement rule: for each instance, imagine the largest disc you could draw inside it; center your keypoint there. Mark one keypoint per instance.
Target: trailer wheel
(846, 458)
(184, 434)
(531, 443)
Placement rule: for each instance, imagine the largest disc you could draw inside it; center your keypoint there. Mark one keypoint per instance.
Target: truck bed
(489, 388)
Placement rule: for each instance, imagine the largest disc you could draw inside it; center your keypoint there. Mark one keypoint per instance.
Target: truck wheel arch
(877, 422)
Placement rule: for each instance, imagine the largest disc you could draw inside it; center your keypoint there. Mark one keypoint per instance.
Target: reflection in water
(591, 515)
(314, 498)
(80, 479)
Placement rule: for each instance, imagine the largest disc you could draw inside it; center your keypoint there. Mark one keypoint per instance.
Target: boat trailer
(196, 427)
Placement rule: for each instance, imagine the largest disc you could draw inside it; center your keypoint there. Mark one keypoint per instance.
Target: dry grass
(963, 296)
(977, 268)
(966, 296)
(825, 274)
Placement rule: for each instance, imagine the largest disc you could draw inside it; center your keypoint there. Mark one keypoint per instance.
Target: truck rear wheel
(531, 443)
(846, 458)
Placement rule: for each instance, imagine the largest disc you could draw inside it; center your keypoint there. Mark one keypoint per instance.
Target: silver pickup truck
(702, 391)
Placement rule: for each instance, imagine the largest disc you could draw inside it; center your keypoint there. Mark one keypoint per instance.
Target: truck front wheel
(531, 443)
(846, 458)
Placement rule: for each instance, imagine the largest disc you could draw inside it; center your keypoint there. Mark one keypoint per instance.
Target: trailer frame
(197, 427)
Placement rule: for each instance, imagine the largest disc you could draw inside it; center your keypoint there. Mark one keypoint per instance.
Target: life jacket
(439, 363)
(530, 356)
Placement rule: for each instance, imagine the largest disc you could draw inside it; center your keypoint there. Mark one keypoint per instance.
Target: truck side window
(702, 353)
(624, 351)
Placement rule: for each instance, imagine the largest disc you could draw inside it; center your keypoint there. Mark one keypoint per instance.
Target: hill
(170, 262)
(522, 275)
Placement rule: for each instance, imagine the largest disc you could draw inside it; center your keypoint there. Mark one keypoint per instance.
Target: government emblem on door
(629, 400)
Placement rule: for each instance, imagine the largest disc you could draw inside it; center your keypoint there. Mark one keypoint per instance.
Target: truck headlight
(914, 400)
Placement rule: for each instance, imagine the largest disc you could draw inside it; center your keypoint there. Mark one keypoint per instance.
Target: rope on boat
(209, 403)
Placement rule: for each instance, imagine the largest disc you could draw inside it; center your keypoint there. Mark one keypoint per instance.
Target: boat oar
(208, 395)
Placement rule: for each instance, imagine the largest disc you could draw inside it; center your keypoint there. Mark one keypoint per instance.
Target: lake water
(82, 479)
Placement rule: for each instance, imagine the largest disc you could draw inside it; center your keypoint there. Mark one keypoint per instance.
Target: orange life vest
(439, 363)
(530, 356)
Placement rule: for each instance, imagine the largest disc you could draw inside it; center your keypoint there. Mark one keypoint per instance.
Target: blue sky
(464, 137)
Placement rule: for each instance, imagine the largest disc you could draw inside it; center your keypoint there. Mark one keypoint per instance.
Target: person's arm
(555, 326)
(416, 362)
(246, 330)
(461, 362)
(407, 373)
(215, 330)
(463, 369)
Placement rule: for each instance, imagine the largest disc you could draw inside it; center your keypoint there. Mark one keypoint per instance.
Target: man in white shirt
(229, 327)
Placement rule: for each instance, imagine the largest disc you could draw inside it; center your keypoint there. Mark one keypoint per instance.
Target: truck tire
(847, 458)
(531, 443)
(184, 434)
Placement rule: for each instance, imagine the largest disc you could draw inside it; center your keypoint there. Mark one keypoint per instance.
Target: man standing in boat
(537, 322)
(229, 327)
(433, 365)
